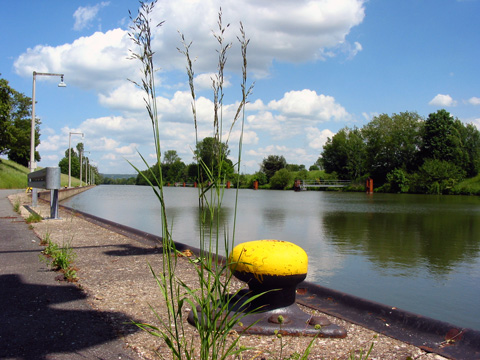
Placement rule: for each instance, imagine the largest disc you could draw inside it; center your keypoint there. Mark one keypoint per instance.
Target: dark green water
(417, 253)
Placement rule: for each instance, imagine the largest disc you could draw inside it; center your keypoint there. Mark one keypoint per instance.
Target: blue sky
(318, 66)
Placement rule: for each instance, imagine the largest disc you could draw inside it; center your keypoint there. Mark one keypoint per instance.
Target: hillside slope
(14, 176)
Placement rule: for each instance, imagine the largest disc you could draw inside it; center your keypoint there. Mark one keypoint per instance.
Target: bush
(280, 179)
(397, 181)
(258, 176)
(438, 176)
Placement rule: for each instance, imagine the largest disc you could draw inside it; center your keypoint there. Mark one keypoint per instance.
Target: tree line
(406, 153)
(74, 158)
(210, 157)
(402, 153)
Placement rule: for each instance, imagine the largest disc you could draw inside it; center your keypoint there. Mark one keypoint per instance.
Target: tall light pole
(32, 164)
(70, 156)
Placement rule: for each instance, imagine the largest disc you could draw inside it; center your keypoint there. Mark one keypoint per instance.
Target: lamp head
(62, 84)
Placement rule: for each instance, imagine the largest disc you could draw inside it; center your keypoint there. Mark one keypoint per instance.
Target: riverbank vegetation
(402, 153)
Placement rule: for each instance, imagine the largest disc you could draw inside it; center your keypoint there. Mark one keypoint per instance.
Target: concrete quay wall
(64, 193)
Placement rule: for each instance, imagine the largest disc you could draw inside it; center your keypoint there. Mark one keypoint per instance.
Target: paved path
(41, 318)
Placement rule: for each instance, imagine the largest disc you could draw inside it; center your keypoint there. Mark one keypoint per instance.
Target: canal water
(415, 252)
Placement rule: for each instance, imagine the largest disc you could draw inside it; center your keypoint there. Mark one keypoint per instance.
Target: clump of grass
(33, 218)
(59, 258)
(279, 354)
(16, 206)
(361, 354)
(210, 303)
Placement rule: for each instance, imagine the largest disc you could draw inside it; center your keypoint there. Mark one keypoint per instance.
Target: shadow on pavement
(130, 250)
(37, 320)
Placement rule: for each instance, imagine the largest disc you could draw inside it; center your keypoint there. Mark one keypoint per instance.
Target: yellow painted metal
(269, 257)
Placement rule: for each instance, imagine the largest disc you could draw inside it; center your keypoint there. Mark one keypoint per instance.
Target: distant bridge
(306, 184)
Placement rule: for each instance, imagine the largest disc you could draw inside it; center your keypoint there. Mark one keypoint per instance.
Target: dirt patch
(113, 270)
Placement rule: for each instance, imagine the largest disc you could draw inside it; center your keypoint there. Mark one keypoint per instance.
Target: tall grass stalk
(211, 301)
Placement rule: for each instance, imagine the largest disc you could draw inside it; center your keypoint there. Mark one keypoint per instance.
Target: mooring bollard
(273, 269)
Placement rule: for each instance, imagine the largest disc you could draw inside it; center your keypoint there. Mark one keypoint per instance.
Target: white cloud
(127, 150)
(307, 105)
(291, 31)
(442, 100)
(205, 81)
(84, 15)
(269, 150)
(98, 62)
(317, 138)
(369, 116)
(294, 112)
(474, 101)
(104, 144)
(51, 143)
(127, 97)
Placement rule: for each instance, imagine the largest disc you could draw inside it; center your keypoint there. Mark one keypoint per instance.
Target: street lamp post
(70, 156)
(32, 165)
(32, 133)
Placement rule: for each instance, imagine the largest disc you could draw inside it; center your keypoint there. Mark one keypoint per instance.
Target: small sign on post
(47, 178)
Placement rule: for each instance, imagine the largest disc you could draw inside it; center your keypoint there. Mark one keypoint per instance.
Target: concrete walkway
(41, 318)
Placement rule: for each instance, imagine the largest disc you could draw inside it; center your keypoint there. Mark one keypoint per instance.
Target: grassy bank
(468, 187)
(14, 176)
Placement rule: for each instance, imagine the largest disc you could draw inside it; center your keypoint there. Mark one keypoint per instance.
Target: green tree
(344, 154)
(15, 125)
(295, 167)
(192, 172)
(170, 157)
(80, 148)
(392, 143)
(438, 176)
(74, 166)
(397, 181)
(174, 172)
(6, 105)
(280, 179)
(271, 164)
(441, 139)
(334, 154)
(470, 144)
(213, 155)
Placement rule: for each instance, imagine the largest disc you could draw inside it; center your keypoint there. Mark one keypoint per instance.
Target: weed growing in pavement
(210, 303)
(59, 258)
(33, 218)
(16, 205)
(279, 354)
(46, 240)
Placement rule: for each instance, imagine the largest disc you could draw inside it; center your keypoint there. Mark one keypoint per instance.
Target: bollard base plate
(288, 320)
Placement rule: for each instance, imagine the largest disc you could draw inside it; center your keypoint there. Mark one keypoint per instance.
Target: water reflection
(274, 217)
(438, 240)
